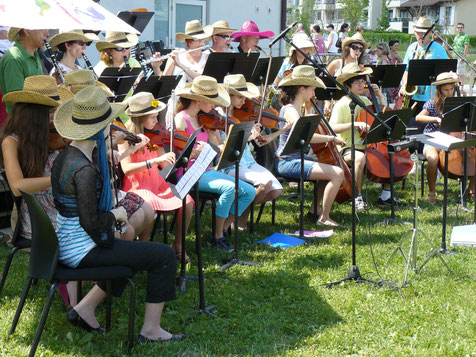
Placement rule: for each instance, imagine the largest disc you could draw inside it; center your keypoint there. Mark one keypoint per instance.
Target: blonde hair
(106, 56)
(136, 124)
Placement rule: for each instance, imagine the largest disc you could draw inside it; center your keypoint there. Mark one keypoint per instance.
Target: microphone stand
(263, 95)
(354, 272)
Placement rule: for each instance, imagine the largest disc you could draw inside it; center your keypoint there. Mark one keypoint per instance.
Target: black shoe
(175, 337)
(223, 244)
(388, 202)
(73, 318)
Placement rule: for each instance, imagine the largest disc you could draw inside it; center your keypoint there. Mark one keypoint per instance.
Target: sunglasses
(460, 27)
(80, 43)
(226, 37)
(120, 49)
(357, 48)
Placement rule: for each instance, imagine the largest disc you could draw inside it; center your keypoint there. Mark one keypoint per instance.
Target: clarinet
(55, 62)
(90, 66)
(126, 62)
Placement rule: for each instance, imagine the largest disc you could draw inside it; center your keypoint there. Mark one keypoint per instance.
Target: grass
(282, 308)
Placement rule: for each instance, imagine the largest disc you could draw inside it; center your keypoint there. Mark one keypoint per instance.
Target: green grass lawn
(283, 308)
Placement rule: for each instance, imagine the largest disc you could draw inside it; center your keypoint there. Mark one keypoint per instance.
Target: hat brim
(218, 30)
(420, 29)
(13, 33)
(349, 40)
(25, 96)
(222, 99)
(262, 35)
(65, 37)
(132, 40)
(251, 91)
(445, 81)
(302, 81)
(75, 88)
(207, 33)
(70, 130)
(346, 76)
(159, 108)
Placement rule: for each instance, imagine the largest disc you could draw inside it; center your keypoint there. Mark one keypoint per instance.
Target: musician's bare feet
(328, 222)
(432, 197)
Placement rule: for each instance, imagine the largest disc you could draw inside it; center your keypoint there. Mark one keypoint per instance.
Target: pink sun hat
(249, 28)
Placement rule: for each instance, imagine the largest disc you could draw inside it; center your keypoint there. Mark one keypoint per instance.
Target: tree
(353, 11)
(383, 22)
(304, 14)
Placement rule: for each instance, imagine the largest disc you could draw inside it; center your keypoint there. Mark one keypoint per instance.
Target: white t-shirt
(331, 42)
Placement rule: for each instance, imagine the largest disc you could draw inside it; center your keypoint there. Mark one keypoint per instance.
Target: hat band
(142, 110)
(241, 89)
(205, 95)
(119, 41)
(55, 97)
(195, 33)
(94, 120)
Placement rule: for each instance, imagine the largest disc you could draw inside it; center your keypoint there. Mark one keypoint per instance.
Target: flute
(161, 58)
(90, 66)
(55, 62)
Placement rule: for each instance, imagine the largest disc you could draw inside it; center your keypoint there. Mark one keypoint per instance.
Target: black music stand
(221, 64)
(397, 121)
(137, 19)
(331, 92)
(387, 75)
(446, 143)
(423, 72)
(119, 80)
(459, 113)
(160, 87)
(298, 140)
(259, 72)
(235, 144)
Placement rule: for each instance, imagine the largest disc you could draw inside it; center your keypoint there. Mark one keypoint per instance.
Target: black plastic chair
(44, 265)
(17, 241)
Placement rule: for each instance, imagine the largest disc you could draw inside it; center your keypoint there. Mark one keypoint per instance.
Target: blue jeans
(218, 182)
(291, 167)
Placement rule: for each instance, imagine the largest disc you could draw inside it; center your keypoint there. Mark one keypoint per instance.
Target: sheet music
(442, 138)
(194, 172)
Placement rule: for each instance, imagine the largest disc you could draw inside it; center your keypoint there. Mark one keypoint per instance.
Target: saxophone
(409, 91)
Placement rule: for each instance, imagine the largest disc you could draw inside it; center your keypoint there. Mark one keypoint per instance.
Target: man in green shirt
(22, 60)
(461, 45)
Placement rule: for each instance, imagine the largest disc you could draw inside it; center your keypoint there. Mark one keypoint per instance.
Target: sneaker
(388, 202)
(223, 244)
(360, 205)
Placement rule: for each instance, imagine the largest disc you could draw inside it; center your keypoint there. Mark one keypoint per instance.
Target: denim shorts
(291, 167)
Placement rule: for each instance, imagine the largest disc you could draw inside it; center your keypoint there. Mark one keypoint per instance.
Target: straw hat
(304, 75)
(91, 35)
(446, 78)
(249, 28)
(143, 103)
(423, 24)
(117, 40)
(194, 31)
(352, 70)
(301, 41)
(84, 115)
(237, 85)
(219, 27)
(62, 37)
(39, 90)
(13, 33)
(82, 78)
(356, 38)
(205, 89)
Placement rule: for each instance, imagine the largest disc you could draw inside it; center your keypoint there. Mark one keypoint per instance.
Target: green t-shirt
(459, 42)
(15, 65)
(341, 115)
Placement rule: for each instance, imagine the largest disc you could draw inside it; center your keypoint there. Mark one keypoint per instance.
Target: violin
(250, 112)
(378, 159)
(159, 136)
(56, 141)
(131, 138)
(327, 153)
(215, 121)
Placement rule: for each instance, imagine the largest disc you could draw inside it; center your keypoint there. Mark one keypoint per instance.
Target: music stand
(331, 92)
(137, 19)
(298, 140)
(387, 75)
(398, 121)
(235, 144)
(459, 113)
(259, 72)
(160, 87)
(221, 64)
(119, 80)
(423, 72)
(446, 143)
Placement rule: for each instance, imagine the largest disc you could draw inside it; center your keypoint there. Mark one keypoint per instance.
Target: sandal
(432, 197)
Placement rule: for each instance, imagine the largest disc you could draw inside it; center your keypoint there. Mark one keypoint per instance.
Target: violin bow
(169, 122)
(113, 172)
(265, 88)
(227, 88)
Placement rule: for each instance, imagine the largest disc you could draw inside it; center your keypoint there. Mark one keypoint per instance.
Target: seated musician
(267, 185)
(249, 36)
(189, 64)
(296, 89)
(71, 45)
(25, 154)
(203, 94)
(221, 37)
(143, 166)
(86, 218)
(354, 77)
(431, 116)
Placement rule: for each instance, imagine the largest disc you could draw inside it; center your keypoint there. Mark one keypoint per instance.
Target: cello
(377, 157)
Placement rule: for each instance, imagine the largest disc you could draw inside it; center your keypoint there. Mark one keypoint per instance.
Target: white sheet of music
(194, 172)
(442, 138)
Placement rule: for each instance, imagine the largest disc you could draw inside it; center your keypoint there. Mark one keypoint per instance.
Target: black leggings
(158, 259)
